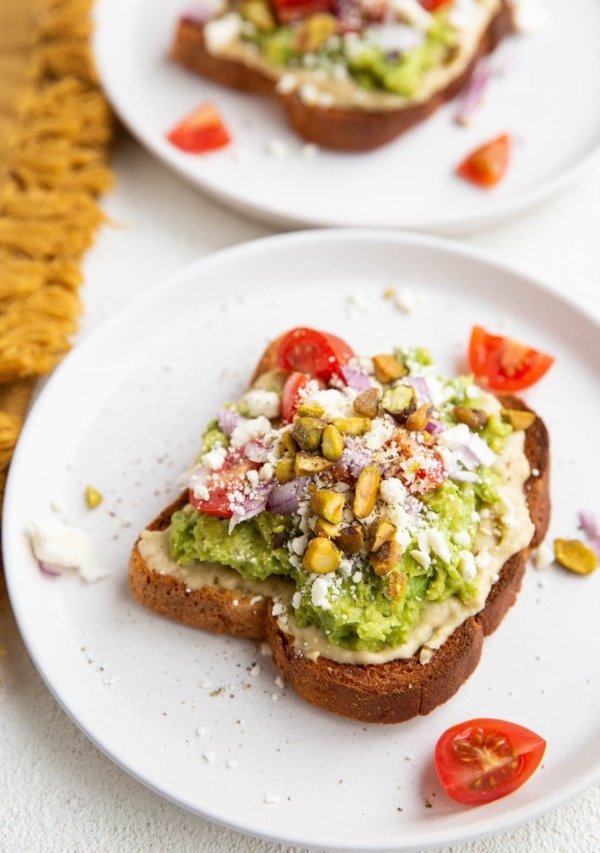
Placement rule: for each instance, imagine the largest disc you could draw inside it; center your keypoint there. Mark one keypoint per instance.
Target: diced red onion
(354, 458)
(228, 419)
(199, 13)
(356, 378)
(252, 504)
(589, 524)
(49, 569)
(284, 498)
(256, 451)
(474, 93)
(435, 427)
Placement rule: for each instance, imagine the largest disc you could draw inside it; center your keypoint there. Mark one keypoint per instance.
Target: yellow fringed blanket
(55, 135)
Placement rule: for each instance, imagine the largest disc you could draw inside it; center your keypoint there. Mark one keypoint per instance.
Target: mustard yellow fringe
(54, 147)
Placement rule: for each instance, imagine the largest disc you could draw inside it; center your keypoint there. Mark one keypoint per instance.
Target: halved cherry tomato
(485, 759)
(293, 10)
(201, 131)
(487, 165)
(222, 485)
(504, 364)
(317, 353)
(432, 5)
(292, 389)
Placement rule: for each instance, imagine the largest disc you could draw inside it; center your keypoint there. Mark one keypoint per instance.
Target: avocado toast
(368, 517)
(352, 75)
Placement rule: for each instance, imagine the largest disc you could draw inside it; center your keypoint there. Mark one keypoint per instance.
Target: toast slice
(332, 108)
(218, 599)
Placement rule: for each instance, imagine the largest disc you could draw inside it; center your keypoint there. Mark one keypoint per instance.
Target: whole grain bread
(349, 129)
(384, 693)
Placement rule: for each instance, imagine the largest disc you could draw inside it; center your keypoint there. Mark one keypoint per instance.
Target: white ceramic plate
(542, 99)
(124, 413)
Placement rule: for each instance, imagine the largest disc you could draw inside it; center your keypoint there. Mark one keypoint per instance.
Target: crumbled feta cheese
(543, 556)
(215, 458)
(221, 32)
(252, 477)
(438, 544)
(266, 472)
(296, 600)
(310, 94)
(249, 429)
(209, 756)
(412, 12)
(467, 565)
(286, 84)
(394, 37)
(259, 401)
(278, 608)
(422, 558)
(271, 799)
(379, 433)
(318, 593)
(392, 491)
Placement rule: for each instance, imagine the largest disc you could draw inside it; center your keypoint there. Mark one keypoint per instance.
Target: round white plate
(542, 99)
(200, 718)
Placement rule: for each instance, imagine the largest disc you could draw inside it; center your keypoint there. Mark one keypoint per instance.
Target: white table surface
(57, 791)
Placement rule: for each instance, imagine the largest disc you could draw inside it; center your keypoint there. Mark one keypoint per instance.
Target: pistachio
(284, 470)
(388, 368)
(418, 420)
(272, 380)
(400, 401)
(321, 556)
(258, 13)
(381, 532)
(350, 538)
(309, 463)
(366, 491)
(367, 403)
(93, 498)
(332, 443)
(395, 585)
(352, 426)
(473, 418)
(575, 556)
(328, 505)
(314, 31)
(287, 443)
(307, 432)
(310, 410)
(386, 558)
(326, 528)
(518, 418)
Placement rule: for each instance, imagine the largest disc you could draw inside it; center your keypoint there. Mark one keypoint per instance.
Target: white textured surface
(58, 792)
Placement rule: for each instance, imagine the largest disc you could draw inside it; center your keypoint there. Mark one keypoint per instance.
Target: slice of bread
(363, 124)
(389, 692)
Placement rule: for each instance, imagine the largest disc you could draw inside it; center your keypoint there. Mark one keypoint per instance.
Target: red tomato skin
(432, 5)
(504, 364)
(319, 354)
(221, 483)
(464, 779)
(200, 132)
(294, 10)
(487, 165)
(292, 389)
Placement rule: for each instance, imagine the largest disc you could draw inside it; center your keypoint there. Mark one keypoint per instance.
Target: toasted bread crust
(211, 608)
(343, 129)
(384, 693)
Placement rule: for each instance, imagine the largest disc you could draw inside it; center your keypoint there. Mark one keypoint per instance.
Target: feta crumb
(422, 558)
(462, 538)
(271, 799)
(405, 299)
(543, 556)
(438, 544)
(392, 491)
(249, 429)
(254, 670)
(221, 32)
(63, 548)
(467, 565)
(296, 600)
(309, 151)
(278, 608)
(259, 401)
(318, 593)
(231, 764)
(215, 458)
(277, 148)
(209, 756)
(286, 84)
(310, 94)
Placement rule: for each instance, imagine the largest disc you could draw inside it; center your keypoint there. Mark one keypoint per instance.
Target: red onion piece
(200, 12)
(285, 497)
(419, 383)
(49, 569)
(256, 451)
(254, 503)
(589, 524)
(435, 427)
(354, 458)
(356, 378)
(228, 419)
(474, 93)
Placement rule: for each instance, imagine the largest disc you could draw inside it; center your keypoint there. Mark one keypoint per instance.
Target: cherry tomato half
(293, 10)
(290, 398)
(317, 353)
(487, 165)
(504, 364)
(201, 131)
(482, 760)
(222, 484)
(432, 5)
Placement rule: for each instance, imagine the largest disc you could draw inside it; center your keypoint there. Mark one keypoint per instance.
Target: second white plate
(200, 718)
(542, 99)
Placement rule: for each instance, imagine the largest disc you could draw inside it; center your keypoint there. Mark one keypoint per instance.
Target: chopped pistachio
(332, 443)
(395, 585)
(310, 410)
(321, 556)
(350, 538)
(400, 401)
(352, 426)
(312, 33)
(367, 403)
(328, 505)
(473, 418)
(366, 491)
(307, 432)
(287, 443)
(388, 368)
(576, 556)
(386, 558)
(272, 380)
(382, 531)
(310, 463)
(93, 498)
(418, 420)
(518, 418)
(326, 528)
(258, 13)
(284, 470)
